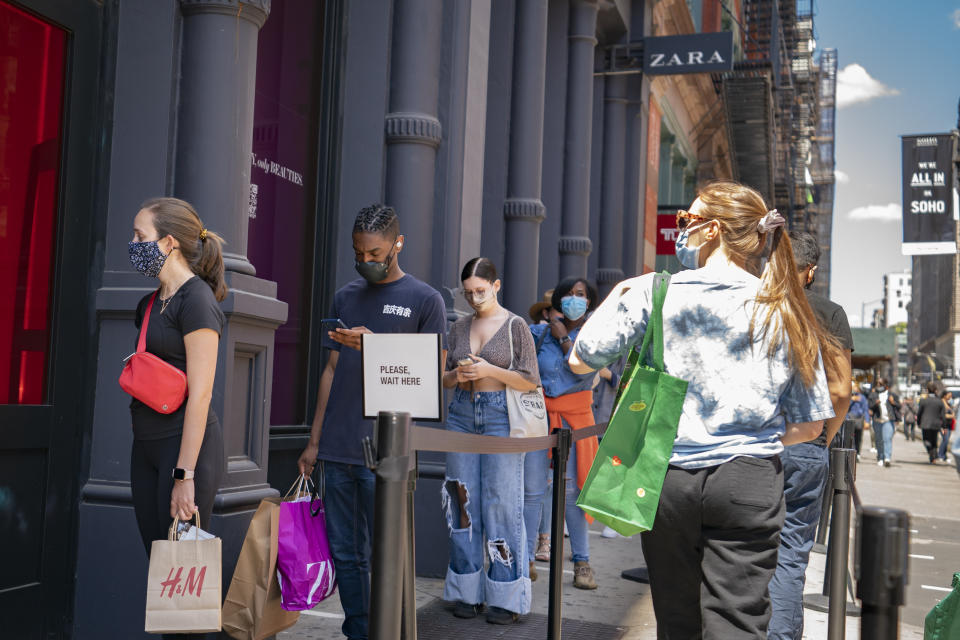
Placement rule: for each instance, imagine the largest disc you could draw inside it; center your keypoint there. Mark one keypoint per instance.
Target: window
(283, 186)
(32, 67)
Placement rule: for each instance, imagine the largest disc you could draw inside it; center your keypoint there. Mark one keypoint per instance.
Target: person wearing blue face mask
(569, 400)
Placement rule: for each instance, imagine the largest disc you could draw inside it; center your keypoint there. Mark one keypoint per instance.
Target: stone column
(612, 179)
(575, 243)
(215, 124)
(523, 210)
(413, 131)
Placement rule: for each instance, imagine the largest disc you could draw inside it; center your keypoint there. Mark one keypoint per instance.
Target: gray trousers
(713, 549)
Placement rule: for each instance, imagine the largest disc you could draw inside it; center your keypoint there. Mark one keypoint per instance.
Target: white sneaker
(879, 463)
(609, 533)
(873, 449)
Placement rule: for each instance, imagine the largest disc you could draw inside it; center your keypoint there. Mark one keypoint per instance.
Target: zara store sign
(694, 53)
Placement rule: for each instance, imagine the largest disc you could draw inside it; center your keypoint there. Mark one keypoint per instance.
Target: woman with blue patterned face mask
(569, 399)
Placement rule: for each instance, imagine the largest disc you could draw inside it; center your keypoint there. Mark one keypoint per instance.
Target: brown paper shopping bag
(183, 585)
(252, 610)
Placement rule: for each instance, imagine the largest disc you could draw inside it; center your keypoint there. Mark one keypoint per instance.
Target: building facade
(897, 288)
(495, 127)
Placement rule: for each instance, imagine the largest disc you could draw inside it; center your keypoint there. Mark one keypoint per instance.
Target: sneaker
(583, 576)
(873, 449)
(496, 615)
(879, 463)
(886, 463)
(463, 610)
(609, 533)
(543, 548)
(858, 457)
(533, 572)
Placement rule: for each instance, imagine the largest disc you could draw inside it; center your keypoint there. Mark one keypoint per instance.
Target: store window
(283, 187)
(32, 66)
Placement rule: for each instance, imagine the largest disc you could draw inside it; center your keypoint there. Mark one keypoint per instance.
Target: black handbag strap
(654, 332)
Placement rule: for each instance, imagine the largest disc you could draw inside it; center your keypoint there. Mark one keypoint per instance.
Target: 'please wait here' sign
(401, 372)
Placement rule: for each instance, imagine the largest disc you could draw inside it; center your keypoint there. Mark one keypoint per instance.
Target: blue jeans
(944, 445)
(536, 470)
(883, 437)
(349, 503)
(804, 474)
(493, 484)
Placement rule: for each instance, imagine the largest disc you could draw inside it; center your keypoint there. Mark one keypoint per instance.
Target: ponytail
(788, 312)
(781, 300)
(200, 247)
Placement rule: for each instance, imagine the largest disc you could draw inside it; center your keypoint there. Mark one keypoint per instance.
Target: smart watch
(565, 339)
(182, 474)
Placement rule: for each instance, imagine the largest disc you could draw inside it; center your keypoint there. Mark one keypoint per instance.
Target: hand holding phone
(329, 324)
(465, 362)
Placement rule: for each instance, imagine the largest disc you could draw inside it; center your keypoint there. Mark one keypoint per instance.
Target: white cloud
(840, 176)
(956, 18)
(855, 85)
(882, 212)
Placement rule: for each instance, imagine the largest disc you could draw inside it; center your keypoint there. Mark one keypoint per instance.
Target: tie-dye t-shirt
(738, 397)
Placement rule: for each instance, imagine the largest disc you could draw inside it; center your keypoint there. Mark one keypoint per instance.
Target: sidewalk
(622, 609)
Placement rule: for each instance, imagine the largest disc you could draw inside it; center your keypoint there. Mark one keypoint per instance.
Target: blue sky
(899, 74)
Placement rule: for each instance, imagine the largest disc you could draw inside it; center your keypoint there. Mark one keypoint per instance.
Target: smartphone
(329, 324)
(466, 362)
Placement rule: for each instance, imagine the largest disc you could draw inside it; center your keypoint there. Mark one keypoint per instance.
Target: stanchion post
(841, 462)
(390, 525)
(883, 541)
(409, 616)
(560, 455)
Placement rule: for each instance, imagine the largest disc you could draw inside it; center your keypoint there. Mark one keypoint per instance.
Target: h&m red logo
(193, 582)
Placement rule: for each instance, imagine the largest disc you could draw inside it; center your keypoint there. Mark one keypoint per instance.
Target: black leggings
(930, 437)
(151, 465)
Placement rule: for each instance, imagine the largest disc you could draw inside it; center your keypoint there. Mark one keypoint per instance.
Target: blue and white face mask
(146, 257)
(688, 256)
(573, 307)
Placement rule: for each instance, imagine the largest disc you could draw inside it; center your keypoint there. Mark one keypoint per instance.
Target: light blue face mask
(573, 307)
(689, 257)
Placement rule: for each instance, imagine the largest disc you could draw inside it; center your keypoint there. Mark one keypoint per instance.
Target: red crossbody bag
(151, 380)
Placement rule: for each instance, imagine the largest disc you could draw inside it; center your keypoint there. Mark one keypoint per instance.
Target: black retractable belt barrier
(883, 541)
(392, 456)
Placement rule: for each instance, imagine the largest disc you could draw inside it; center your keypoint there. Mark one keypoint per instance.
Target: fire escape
(770, 99)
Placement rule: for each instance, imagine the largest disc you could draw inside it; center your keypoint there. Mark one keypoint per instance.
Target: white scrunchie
(770, 221)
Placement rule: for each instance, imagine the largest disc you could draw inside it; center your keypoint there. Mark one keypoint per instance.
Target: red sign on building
(666, 234)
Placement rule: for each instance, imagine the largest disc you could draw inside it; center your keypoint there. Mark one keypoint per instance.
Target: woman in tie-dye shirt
(749, 349)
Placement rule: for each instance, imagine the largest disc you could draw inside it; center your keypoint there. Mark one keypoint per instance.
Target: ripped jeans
(492, 525)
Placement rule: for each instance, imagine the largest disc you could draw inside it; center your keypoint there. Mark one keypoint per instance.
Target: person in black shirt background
(176, 462)
(931, 414)
(805, 464)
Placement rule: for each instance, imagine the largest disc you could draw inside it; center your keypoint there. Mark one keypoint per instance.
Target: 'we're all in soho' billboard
(930, 207)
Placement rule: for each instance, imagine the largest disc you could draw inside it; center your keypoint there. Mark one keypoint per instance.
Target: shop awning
(871, 346)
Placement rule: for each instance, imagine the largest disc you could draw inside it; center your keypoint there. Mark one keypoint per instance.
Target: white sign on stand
(401, 372)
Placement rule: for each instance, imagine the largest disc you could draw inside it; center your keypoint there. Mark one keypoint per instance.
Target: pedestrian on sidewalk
(383, 300)
(805, 464)
(490, 350)
(859, 416)
(930, 414)
(885, 411)
(569, 397)
(749, 349)
(176, 461)
(949, 421)
(909, 418)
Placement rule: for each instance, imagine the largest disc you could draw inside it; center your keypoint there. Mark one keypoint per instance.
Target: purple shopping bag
(304, 564)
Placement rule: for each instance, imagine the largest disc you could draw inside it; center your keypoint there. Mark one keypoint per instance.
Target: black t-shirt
(192, 307)
(833, 318)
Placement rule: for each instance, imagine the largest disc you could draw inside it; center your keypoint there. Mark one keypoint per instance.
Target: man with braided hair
(383, 300)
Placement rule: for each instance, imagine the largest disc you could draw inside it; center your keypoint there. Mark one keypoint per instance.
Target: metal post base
(821, 603)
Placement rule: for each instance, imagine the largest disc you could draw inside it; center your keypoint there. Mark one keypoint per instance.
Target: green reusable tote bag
(943, 621)
(624, 484)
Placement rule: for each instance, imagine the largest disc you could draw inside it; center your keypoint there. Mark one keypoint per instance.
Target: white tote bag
(526, 409)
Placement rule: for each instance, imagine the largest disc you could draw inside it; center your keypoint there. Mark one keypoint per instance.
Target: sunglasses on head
(685, 219)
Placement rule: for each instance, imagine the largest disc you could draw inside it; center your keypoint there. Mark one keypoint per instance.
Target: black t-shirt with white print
(192, 307)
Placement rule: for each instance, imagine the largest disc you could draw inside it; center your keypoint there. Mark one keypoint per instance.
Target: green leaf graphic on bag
(623, 487)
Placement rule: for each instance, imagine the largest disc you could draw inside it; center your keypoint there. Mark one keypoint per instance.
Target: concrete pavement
(931, 493)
